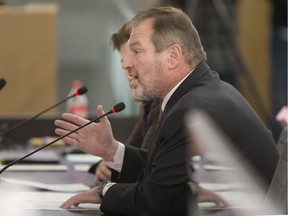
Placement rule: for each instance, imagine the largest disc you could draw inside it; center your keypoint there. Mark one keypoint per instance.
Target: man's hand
(103, 173)
(282, 116)
(90, 196)
(95, 138)
(205, 195)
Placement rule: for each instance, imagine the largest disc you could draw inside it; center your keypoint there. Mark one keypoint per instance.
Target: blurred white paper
(216, 167)
(221, 186)
(53, 187)
(37, 167)
(51, 201)
(55, 206)
(82, 158)
(82, 167)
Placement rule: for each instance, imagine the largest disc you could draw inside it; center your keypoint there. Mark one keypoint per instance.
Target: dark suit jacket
(143, 132)
(155, 183)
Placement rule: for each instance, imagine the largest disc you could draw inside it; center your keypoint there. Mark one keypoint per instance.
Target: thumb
(100, 112)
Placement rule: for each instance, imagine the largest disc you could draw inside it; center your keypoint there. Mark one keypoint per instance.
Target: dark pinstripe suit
(154, 183)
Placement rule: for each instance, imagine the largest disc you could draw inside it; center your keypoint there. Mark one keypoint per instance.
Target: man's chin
(139, 98)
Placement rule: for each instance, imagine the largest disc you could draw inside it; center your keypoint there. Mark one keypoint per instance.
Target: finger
(223, 202)
(101, 112)
(103, 176)
(77, 120)
(70, 122)
(70, 139)
(106, 171)
(73, 142)
(218, 200)
(68, 126)
(62, 132)
(103, 172)
(73, 201)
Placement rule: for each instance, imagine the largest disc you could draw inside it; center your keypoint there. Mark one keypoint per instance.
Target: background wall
(83, 52)
(28, 59)
(254, 38)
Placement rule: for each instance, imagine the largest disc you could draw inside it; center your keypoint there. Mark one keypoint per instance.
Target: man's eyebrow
(134, 43)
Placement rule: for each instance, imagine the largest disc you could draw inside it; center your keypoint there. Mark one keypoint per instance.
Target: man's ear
(175, 55)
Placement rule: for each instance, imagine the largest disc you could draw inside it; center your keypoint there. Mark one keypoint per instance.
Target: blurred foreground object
(229, 174)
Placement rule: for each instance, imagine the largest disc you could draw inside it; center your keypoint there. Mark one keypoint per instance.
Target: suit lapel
(186, 85)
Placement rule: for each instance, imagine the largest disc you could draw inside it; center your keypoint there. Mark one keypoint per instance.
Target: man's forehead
(141, 32)
(142, 27)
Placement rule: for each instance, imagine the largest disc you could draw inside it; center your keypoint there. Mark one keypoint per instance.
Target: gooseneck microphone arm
(80, 91)
(117, 108)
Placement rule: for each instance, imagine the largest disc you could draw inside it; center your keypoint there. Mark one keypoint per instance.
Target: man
(149, 111)
(145, 127)
(166, 61)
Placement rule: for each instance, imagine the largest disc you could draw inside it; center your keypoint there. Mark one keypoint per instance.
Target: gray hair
(173, 26)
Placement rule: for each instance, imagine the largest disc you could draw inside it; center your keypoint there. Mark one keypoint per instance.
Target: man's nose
(126, 63)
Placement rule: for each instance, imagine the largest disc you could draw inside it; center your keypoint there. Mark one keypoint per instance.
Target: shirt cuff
(107, 186)
(118, 158)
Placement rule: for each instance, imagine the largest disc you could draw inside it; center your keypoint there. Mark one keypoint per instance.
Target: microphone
(79, 92)
(2, 83)
(117, 108)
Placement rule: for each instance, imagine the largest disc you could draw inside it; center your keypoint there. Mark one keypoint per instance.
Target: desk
(53, 177)
(72, 176)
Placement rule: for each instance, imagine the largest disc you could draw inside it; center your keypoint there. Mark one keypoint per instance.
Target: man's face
(142, 65)
(123, 51)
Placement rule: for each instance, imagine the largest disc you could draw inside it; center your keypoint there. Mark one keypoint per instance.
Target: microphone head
(2, 83)
(118, 107)
(81, 91)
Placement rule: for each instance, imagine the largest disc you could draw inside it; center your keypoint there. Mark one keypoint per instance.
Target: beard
(149, 85)
(138, 93)
(148, 89)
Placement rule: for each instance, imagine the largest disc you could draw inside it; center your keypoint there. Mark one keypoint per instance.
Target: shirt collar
(168, 96)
